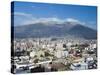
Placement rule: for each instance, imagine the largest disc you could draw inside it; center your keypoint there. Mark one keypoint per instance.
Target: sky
(29, 12)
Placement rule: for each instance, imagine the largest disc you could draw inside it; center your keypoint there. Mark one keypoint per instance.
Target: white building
(79, 66)
(61, 53)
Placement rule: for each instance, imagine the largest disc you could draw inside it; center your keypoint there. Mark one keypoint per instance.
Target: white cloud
(46, 21)
(20, 18)
(22, 14)
(74, 21)
(92, 24)
(25, 19)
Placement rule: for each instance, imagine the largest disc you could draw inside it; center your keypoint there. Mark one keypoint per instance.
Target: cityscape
(52, 44)
(51, 54)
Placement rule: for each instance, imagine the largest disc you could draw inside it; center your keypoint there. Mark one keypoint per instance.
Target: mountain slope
(58, 30)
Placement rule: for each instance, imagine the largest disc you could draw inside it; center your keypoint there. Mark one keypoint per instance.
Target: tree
(41, 55)
(64, 46)
(47, 54)
(36, 60)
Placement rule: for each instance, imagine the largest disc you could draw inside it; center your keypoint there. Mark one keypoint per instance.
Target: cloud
(74, 21)
(20, 18)
(92, 24)
(56, 20)
(26, 19)
(22, 14)
(45, 21)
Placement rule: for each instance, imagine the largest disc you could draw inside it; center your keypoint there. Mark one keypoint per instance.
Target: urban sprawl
(32, 55)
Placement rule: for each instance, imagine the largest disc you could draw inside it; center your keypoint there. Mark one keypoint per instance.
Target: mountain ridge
(50, 30)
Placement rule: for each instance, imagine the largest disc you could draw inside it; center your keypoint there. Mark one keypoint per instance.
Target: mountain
(66, 29)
